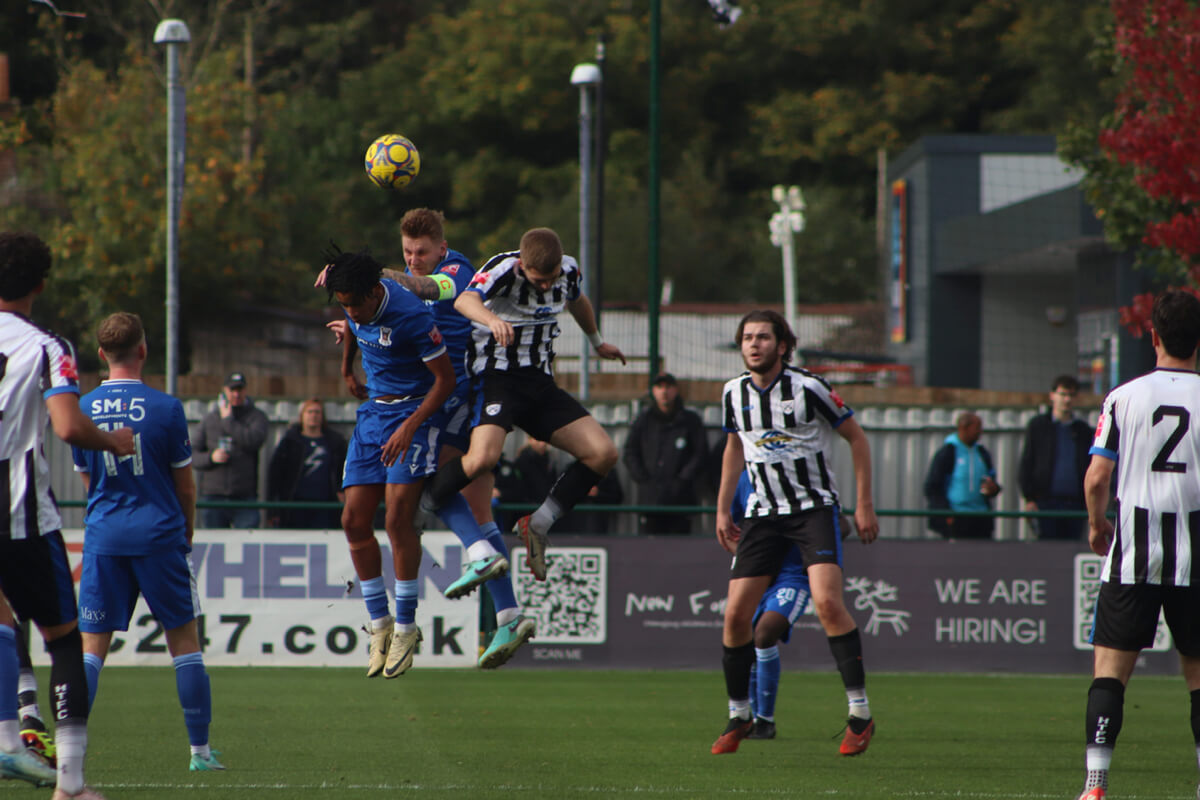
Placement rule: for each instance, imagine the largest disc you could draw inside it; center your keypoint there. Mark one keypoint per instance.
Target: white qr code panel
(1087, 589)
(570, 606)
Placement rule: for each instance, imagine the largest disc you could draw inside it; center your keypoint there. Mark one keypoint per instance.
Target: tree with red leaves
(1145, 179)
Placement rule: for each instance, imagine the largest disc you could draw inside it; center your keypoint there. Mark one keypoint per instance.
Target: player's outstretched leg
(860, 727)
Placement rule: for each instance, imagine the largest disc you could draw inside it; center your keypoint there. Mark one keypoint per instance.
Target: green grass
(331, 733)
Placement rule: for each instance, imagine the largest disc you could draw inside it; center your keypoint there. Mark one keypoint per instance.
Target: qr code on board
(570, 606)
(1087, 589)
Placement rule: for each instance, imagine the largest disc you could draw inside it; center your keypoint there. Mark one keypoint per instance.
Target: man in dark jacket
(665, 454)
(1054, 459)
(225, 455)
(962, 477)
(307, 465)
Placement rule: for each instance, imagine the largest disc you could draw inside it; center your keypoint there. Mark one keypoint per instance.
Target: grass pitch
(332, 733)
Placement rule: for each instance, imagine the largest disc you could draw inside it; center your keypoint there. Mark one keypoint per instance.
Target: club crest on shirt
(788, 406)
(385, 336)
(450, 269)
(67, 368)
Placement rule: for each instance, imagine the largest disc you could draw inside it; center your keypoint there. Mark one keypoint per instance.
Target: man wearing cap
(225, 456)
(665, 455)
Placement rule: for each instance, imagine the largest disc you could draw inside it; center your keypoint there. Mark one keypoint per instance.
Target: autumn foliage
(1156, 128)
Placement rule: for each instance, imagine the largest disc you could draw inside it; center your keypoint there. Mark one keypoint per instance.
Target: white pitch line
(707, 791)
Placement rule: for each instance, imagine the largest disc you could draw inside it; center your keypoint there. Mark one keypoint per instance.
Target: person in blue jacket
(962, 477)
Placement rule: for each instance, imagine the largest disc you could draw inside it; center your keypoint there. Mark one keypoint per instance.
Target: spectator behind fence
(307, 466)
(225, 455)
(666, 454)
(962, 477)
(1054, 459)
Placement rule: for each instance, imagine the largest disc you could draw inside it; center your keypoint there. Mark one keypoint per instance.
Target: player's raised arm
(470, 305)
(426, 287)
(585, 316)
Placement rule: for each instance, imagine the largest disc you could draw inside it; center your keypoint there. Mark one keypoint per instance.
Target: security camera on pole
(785, 223)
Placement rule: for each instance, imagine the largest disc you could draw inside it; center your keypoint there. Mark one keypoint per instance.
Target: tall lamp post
(785, 223)
(173, 33)
(587, 77)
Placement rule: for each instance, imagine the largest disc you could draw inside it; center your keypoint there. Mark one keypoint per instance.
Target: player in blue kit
(437, 275)
(141, 512)
(782, 603)
(395, 445)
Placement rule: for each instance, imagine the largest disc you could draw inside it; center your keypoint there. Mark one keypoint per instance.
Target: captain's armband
(446, 287)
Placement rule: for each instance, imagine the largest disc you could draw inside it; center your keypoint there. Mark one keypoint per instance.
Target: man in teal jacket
(962, 477)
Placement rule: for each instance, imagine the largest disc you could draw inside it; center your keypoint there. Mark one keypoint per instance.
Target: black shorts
(765, 541)
(36, 578)
(527, 398)
(1127, 616)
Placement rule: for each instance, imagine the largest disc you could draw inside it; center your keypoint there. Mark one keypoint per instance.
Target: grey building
(998, 274)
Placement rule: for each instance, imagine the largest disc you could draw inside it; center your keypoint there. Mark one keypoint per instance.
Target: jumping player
(393, 448)
(514, 301)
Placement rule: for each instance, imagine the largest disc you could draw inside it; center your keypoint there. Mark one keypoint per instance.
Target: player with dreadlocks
(394, 447)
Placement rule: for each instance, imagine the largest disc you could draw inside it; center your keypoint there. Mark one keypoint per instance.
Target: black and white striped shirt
(533, 313)
(1151, 428)
(34, 364)
(787, 432)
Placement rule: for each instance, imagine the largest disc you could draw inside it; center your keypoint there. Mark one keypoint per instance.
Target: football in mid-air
(392, 161)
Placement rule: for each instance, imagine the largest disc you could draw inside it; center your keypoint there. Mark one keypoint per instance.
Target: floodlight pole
(586, 77)
(173, 33)
(786, 222)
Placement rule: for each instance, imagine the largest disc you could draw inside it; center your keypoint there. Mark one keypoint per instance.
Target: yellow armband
(446, 287)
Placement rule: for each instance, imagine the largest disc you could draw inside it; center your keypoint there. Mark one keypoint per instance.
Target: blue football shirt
(455, 328)
(132, 508)
(395, 345)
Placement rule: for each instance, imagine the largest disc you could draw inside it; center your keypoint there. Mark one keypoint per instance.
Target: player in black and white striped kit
(781, 422)
(1149, 433)
(38, 380)
(514, 301)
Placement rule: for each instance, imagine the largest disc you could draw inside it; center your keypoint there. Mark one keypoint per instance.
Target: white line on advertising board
(290, 598)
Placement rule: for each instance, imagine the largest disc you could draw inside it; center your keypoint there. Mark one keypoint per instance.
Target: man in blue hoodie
(962, 477)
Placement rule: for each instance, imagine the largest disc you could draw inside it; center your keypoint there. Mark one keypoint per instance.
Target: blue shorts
(456, 417)
(789, 595)
(109, 588)
(377, 420)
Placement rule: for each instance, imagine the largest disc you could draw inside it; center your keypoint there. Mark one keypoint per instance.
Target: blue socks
(501, 589)
(92, 664)
(767, 669)
(10, 668)
(375, 596)
(406, 602)
(458, 518)
(195, 696)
